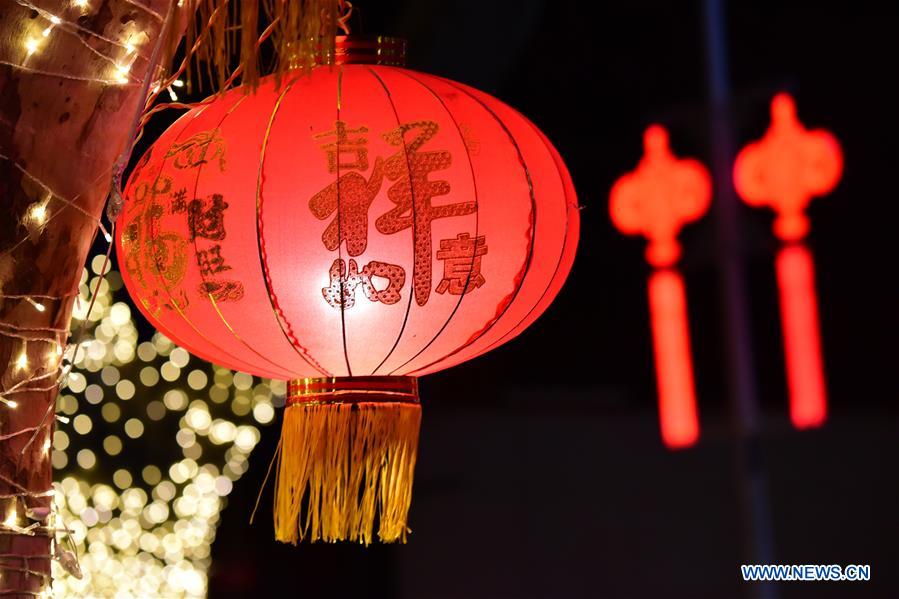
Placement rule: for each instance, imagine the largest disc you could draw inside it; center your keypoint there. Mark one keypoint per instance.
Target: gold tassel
(302, 36)
(344, 464)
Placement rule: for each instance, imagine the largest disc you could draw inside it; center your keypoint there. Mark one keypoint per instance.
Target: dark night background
(541, 472)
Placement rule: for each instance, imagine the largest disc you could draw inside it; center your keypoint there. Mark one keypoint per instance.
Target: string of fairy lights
(53, 372)
(36, 39)
(148, 533)
(64, 351)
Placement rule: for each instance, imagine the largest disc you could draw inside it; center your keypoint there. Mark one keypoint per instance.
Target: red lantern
(349, 230)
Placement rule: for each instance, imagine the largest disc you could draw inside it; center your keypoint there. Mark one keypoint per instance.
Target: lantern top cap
(369, 49)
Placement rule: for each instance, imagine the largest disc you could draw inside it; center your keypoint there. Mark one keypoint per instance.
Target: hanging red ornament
(788, 167)
(657, 199)
(784, 170)
(348, 231)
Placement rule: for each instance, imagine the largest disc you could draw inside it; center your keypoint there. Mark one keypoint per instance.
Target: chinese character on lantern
(412, 191)
(195, 151)
(206, 218)
(351, 195)
(461, 264)
(355, 146)
(342, 290)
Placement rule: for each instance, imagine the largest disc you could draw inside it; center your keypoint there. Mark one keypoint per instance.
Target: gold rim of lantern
(353, 389)
(369, 49)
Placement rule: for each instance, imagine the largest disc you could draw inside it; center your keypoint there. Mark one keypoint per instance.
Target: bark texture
(64, 120)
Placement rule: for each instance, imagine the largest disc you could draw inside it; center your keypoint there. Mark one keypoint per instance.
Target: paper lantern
(657, 199)
(348, 231)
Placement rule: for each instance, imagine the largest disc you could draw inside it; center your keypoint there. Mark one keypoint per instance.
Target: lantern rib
(414, 220)
(346, 353)
(477, 212)
(161, 281)
(285, 372)
(526, 267)
(511, 334)
(280, 318)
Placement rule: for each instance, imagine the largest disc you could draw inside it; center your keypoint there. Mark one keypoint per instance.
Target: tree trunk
(65, 117)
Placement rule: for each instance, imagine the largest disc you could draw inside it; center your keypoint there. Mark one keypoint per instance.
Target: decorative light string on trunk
(41, 213)
(41, 516)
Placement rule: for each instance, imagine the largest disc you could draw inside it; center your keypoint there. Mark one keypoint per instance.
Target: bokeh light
(145, 530)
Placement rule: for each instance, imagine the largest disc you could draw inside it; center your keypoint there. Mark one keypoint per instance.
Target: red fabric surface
(250, 218)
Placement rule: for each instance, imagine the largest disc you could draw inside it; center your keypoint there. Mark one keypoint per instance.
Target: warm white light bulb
(22, 361)
(31, 45)
(37, 305)
(11, 517)
(54, 21)
(121, 73)
(38, 212)
(172, 94)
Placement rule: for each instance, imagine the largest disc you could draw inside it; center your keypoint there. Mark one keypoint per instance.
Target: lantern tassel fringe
(343, 466)
(300, 34)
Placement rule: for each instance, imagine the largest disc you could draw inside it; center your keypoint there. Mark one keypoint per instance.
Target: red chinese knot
(361, 220)
(659, 197)
(787, 167)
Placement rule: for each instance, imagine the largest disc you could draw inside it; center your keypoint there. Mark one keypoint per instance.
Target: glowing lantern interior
(363, 220)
